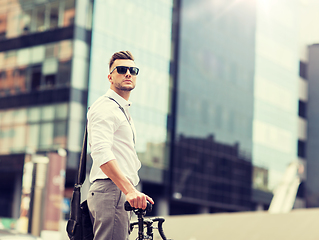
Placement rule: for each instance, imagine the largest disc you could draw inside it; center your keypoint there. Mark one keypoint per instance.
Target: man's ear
(110, 78)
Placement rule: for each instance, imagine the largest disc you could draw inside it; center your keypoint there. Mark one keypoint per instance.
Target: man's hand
(134, 197)
(138, 199)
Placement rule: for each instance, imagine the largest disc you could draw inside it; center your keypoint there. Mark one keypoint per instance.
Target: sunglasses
(123, 70)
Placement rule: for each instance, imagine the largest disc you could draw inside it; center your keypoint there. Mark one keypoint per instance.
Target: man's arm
(134, 197)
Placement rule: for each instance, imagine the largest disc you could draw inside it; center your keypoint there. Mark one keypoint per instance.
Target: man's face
(122, 82)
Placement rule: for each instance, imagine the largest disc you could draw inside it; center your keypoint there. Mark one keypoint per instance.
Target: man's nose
(128, 73)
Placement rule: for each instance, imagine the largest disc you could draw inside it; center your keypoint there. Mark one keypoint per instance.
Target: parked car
(14, 235)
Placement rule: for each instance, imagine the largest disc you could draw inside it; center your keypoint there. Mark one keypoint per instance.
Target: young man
(111, 135)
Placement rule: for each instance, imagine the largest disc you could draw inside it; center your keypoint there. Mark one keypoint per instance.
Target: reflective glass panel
(61, 111)
(54, 14)
(46, 135)
(47, 113)
(19, 138)
(34, 114)
(69, 13)
(32, 136)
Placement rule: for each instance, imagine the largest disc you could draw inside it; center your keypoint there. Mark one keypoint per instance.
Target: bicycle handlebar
(128, 207)
(148, 222)
(160, 226)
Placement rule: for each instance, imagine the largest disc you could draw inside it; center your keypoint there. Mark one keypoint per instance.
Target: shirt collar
(118, 98)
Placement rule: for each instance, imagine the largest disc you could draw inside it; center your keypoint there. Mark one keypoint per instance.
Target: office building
(213, 107)
(44, 60)
(310, 110)
(275, 93)
(211, 137)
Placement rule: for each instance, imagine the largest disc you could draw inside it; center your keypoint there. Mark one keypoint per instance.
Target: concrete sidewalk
(302, 224)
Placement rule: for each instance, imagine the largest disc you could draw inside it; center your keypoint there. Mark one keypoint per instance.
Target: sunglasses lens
(122, 70)
(134, 70)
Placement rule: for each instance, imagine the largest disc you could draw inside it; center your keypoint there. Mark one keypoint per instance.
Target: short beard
(120, 87)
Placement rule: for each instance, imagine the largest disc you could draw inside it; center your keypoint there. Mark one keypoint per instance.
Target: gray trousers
(106, 205)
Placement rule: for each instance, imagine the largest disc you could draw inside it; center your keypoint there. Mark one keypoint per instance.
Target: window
(32, 136)
(33, 114)
(302, 111)
(40, 19)
(46, 135)
(13, 22)
(50, 67)
(49, 81)
(301, 149)
(33, 127)
(19, 137)
(3, 25)
(69, 13)
(61, 111)
(3, 75)
(60, 133)
(303, 70)
(47, 113)
(35, 78)
(28, 16)
(24, 56)
(54, 15)
(25, 21)
(51, 50)
(65, 50)
(64, 73)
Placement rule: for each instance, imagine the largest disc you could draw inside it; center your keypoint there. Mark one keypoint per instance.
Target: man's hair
(121, 55)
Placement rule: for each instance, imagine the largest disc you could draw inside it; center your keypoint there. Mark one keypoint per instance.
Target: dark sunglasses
(123, 70)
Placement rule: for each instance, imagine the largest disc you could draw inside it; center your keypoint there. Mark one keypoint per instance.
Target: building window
(54, 15)
(303, 70)
(64, 73)
(69, 13)
(40, 19)
(26, 17)
(50, 81)
(301, 149)
(36, 78)
(25, 22)
(302, 111)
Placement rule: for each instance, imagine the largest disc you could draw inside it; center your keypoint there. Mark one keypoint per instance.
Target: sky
(309, 25)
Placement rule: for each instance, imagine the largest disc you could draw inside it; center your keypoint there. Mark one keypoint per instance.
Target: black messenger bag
(79, 226)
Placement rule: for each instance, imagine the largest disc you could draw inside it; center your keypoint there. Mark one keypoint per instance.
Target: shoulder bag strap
(82, 165)
(122, 109)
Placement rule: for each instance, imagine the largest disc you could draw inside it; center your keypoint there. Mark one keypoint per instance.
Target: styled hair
(121, 55)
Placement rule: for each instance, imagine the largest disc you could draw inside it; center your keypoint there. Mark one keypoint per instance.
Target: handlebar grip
(128, 207)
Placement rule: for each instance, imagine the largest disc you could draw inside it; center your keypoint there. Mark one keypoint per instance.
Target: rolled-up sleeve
(101, 131)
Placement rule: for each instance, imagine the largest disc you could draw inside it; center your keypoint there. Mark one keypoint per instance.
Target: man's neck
(123, 94)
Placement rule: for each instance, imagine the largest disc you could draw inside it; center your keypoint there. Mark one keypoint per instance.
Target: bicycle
(141, 222)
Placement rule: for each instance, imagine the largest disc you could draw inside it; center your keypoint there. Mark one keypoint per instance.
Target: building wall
(145, 30)
(312, 193)
(214, 98)
(44, 60)
(276, 88)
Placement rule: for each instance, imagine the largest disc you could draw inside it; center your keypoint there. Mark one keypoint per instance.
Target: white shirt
(110, 137)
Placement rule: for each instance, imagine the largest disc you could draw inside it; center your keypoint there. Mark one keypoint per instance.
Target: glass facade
(33, 129)
(311, 147)
(275, 93)
(215, 84)
(234, 121)
(44, 61)
(147, 34)
(42, 67)
(19, 18)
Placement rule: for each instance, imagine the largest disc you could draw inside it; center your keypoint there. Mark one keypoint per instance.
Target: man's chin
(127, 89)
